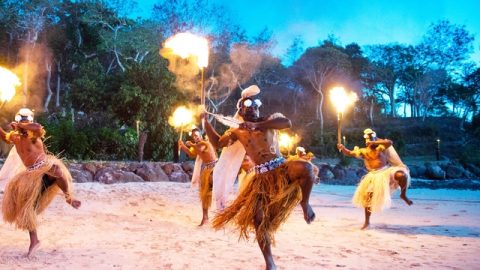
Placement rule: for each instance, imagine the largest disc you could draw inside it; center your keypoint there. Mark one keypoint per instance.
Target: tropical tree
(317, 68)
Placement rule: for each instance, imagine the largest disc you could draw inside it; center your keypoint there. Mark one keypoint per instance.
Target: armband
(276, 115)
(356, 151)
(7, 137)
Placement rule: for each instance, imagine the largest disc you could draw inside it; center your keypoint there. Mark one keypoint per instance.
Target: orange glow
(181, 118)
(188, 45)
(8, 82)
(341, 99)
(286, 141)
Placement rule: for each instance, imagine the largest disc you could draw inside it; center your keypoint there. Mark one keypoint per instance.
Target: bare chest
(26, 145)
(259, 145)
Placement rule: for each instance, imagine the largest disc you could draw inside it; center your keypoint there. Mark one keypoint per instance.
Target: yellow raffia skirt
(376, 187)
(24, 198)
(272, 193)
(243, 179)
(206, 184)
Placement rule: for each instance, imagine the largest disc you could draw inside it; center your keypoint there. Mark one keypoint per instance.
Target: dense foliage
(92, 72)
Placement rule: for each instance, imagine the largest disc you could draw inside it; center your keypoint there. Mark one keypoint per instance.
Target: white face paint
(247, 103)
(250, 102)
(249, 109)
(24, 115)
(370, 137)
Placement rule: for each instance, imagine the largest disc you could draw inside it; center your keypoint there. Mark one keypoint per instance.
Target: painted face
(249, 109)
(24, 115)
(370, 137)
(196, 136)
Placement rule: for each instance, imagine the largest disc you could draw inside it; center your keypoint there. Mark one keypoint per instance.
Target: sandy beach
(154, 226)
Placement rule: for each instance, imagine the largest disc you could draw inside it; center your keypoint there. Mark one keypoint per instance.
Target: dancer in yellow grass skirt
(37, 179)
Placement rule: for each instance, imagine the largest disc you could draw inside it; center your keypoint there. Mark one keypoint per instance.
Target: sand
(154, 226)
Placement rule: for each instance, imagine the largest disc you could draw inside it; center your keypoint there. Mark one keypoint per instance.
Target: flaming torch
(341, 100)
(287, 141)
(181, 118)
(189, 46)
(8, 82)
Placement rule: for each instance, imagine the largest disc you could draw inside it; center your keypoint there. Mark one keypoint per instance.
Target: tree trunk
(57, 97)
(370, 112)
(392, 102)
(119, 62)
(319, 111)
(464, 116)
(141, 145)
(49, 89)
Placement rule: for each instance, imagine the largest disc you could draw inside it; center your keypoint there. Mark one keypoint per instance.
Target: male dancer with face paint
(277, 186)
(208, 157)
(386, 173)
(36, 177)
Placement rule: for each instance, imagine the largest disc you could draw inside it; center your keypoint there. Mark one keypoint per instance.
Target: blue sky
(361, 21)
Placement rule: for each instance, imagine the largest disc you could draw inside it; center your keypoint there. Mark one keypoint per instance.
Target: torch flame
(181, 117)
(188, 45)
(8, 82)
(341, 99)
(287, 141)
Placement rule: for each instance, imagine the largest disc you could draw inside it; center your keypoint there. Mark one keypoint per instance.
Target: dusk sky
(361, 21)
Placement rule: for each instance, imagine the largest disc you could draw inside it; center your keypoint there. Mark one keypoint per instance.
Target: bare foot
(204, 221)
(308, 213)
(365, 226)
(75, 204)
(407, 200)
(33, 247)
(271, 266)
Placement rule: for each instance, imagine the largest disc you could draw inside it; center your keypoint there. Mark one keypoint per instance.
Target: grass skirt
(206, 184)
(24, 199)
(376, 187)
(271, 194)
(244, 178)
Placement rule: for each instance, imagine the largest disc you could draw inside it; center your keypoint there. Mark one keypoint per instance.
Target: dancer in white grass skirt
(386, 173)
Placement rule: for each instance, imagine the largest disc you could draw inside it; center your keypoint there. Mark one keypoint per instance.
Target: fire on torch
(181, 119)
(8, 82)
(189, 46)
(341, 100)
(287, 141)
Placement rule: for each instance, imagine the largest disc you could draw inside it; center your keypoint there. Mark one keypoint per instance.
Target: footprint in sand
(297, 257)
(17, 258)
